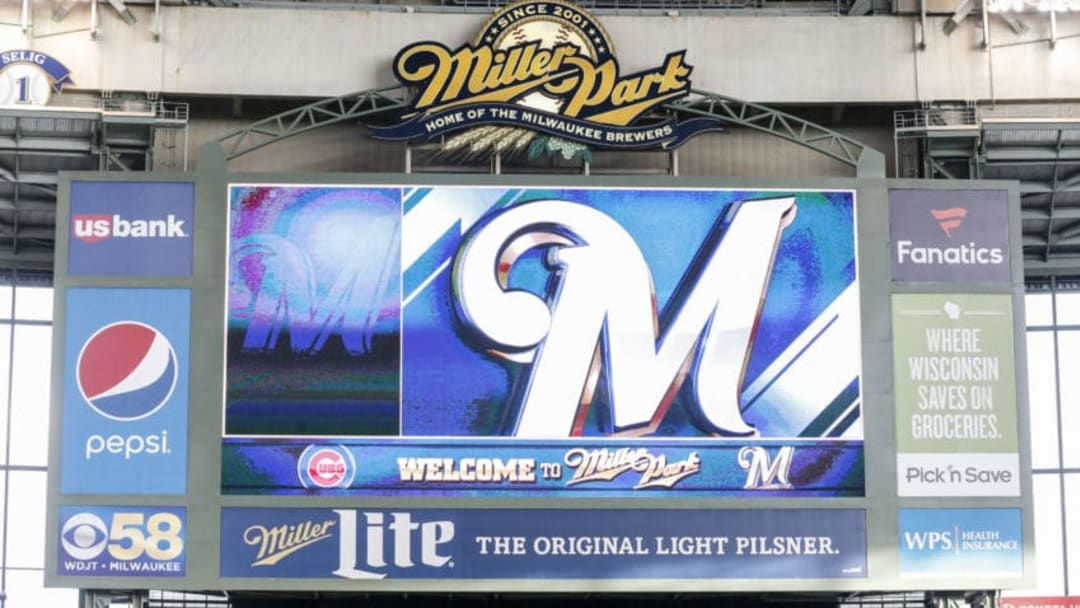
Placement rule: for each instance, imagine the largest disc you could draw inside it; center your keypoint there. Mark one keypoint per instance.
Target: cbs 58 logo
(128, 536)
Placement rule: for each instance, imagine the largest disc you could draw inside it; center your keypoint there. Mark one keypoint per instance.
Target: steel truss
(365, 105)
(354, 106)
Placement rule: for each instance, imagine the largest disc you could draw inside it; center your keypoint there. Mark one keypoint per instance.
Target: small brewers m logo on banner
(540, 67)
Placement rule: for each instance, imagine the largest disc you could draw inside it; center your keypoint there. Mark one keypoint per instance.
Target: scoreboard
(462, 383)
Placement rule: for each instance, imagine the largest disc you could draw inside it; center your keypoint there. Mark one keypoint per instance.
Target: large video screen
(542, 342)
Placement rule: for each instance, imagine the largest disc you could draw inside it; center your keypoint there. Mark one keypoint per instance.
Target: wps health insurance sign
(125, 404)
(627, 348)
(542, 544)
(956, 415)
(961, 542)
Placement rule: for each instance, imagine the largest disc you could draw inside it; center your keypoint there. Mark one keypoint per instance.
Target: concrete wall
(322, 53)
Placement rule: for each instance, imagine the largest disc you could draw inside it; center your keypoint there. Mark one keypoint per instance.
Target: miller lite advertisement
(375, 544)
(465, 341)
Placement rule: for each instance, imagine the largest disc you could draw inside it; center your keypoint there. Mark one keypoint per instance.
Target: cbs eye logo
(128, 536)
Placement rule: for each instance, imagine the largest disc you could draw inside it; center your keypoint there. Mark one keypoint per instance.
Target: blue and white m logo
(599, 313)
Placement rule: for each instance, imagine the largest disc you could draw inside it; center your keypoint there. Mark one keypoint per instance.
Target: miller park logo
(542, 77)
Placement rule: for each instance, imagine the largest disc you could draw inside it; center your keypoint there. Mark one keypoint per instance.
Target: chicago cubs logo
(326, 466)
(127, 370)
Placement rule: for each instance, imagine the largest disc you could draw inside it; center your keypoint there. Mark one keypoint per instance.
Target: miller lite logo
(370, 544)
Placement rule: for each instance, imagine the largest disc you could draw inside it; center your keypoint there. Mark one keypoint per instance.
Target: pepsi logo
(127, 370)
(322, 466)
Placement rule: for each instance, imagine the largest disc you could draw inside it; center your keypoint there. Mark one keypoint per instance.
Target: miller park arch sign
(542, 77)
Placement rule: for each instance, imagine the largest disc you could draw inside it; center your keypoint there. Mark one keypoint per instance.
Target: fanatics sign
(949, 235)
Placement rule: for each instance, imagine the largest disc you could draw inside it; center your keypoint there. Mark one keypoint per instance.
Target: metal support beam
(867, 161)
(94, 24)
(985, 44)
(1042, 214)
(1068, 184)
(366, 104)
(960, 13)
(1009, 155)
(1053, 26)
(1053, 196)
(25, 21)
(370, 104)
(1056, 266)
(125, 12)
(1017, 26)
(922, 25)
(61, 10)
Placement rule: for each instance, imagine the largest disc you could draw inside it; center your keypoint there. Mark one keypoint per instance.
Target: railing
(172, 111)
(926, 118)
(1048, 111)
(166, 111)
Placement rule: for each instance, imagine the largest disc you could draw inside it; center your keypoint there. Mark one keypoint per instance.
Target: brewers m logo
(542, 66)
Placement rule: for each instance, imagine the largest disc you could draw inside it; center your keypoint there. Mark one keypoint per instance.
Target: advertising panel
(950, 235)
(123, 541)
(544, 79)
(542, 544)
(625, 347)
(955, 395)
(1040, 601)
(125, 399)
(131, 228)
(967, 542)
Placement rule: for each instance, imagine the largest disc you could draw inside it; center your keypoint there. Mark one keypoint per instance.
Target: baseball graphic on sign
(24, 84)
(549, 33)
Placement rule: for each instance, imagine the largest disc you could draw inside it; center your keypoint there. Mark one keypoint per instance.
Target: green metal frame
(867, 161)
(354, 106)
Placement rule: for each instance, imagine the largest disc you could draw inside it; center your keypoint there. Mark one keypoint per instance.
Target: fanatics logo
(949, 218)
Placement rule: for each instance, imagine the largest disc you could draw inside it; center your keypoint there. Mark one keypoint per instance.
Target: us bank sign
(540, 74)
(542, 341)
